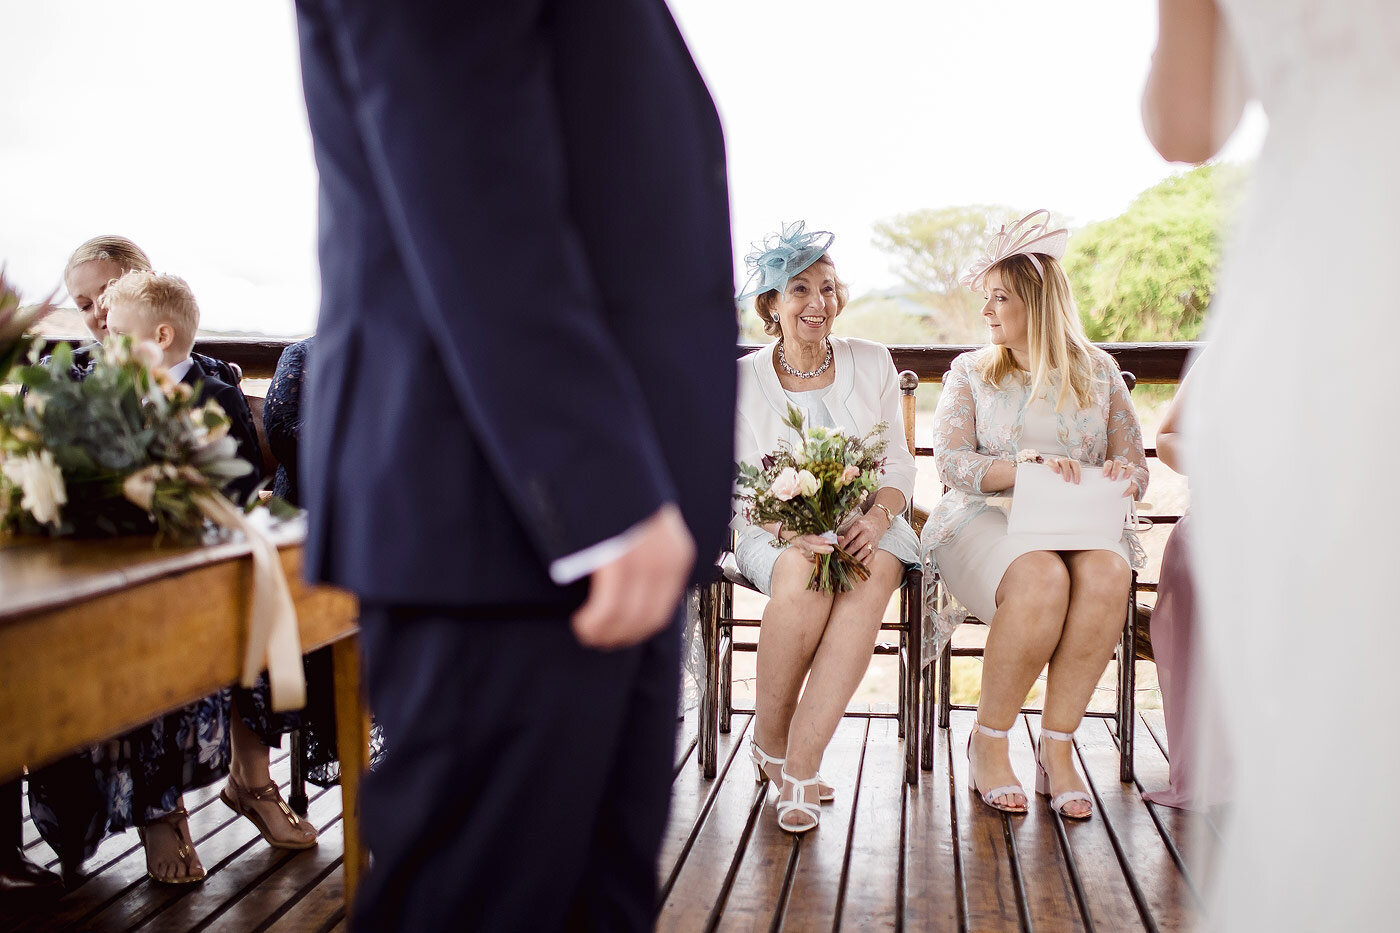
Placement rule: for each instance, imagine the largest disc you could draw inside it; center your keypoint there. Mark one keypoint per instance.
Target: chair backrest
(269, 462)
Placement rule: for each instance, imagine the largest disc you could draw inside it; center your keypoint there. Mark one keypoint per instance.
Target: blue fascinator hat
(780, 256)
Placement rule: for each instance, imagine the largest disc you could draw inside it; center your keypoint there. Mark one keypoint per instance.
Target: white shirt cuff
(580, 564)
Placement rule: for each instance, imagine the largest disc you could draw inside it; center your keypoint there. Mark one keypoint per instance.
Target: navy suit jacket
(527, 331)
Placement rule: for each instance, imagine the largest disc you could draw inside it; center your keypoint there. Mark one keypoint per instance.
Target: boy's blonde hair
(160, 299)
(1054, 334)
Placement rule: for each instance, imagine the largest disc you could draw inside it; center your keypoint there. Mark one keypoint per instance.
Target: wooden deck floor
(886, 856)
(250, 886)
(928, 857)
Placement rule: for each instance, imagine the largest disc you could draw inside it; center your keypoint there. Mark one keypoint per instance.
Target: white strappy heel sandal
(1042, 781)
(989, 797)
(798, 805)
(762, 761)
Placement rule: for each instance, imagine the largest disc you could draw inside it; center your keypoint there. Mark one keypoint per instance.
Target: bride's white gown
(1295, 425)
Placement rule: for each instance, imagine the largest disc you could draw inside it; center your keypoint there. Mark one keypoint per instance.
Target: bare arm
(1170, 440)
(1195, 91)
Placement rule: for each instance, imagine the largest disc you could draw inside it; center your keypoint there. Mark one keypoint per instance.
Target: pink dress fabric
(1173, 647)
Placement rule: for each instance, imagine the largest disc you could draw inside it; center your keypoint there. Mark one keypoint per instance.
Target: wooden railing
(1150, 362)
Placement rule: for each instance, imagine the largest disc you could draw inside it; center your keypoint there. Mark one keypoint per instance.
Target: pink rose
(785, 484)
(849, 475)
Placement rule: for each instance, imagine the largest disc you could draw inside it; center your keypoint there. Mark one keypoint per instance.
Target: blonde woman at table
(1038, 385)
(139, 779)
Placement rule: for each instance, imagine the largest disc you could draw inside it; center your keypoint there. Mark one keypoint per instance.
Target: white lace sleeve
(955, 435)
(1125, 433)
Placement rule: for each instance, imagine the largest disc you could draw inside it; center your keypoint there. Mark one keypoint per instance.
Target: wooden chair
(1125, 655)
(717, 624)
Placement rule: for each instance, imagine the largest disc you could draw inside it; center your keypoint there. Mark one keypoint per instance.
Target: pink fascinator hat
(1027, 237)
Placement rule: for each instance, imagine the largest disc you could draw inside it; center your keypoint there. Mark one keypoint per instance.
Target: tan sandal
(242, 801)
(178, 820)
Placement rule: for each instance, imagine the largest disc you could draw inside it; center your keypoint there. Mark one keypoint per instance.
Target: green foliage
(120, 449)
(1150, 273)
(933, 249)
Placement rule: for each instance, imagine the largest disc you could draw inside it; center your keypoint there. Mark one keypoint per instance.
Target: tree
(934, 248)
(1150, 273)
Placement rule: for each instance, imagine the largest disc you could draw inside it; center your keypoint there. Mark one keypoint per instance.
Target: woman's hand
(1067, 467)
(811, 546)
(863, 536)
(1121, 469)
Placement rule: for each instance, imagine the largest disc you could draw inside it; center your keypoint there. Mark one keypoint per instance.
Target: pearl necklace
(782, 361)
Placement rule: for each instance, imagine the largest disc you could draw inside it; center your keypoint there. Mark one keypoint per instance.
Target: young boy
(161, 309)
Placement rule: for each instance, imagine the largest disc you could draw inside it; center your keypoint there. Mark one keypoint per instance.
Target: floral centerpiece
(815, 489)
(124, 450)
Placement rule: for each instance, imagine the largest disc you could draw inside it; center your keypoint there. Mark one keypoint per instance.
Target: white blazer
(866, 392)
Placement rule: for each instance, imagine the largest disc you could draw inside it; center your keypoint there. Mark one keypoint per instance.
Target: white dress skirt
(973, 562)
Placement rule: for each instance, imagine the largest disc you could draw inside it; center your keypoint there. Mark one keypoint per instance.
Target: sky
(182, 126)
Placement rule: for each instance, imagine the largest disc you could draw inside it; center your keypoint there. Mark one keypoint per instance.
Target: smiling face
(1005, 314)
(808, 307)
(85, 283)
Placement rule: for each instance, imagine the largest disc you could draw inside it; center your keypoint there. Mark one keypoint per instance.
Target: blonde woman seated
(821, 638)
(1039, 385)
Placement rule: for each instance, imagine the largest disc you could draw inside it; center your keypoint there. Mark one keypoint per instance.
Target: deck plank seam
(1076, 881)
(282, 857)
(900, 880)
(785, 892)
(700, 818)
(302, 892)
(850, 835)
(760, 797)
(1013, 858)
(1167, 838)
(685, 756)
(958, 874)
(1135, 889)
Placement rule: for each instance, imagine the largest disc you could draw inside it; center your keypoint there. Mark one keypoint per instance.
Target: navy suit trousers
(526, 779)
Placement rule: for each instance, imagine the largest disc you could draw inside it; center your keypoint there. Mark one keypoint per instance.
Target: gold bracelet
(888, 514)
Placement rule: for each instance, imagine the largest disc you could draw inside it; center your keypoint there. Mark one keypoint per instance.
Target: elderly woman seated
(1057, 599)
(823, 638)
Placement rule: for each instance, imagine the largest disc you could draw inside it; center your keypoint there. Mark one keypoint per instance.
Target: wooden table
(99, 636)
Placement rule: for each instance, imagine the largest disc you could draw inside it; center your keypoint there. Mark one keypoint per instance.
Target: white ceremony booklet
(1043, 504)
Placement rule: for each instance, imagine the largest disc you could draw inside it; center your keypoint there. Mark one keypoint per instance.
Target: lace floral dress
(977, 424)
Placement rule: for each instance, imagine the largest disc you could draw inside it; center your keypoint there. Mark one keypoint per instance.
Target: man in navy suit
(518, 434)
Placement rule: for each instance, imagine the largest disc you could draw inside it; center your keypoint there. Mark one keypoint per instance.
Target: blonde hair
(116, 249)
(766, 304)
(159, 299)
(1054, 334)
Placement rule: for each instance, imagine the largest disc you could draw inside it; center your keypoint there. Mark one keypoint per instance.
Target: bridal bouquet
(816, 489)
(125, 450)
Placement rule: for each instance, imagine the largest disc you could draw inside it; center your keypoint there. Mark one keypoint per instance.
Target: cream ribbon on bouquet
(273, 636)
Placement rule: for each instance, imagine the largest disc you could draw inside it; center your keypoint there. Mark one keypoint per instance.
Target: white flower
(41, 481)
(807, 483)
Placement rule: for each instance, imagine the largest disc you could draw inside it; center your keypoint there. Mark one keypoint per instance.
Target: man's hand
(634, 597)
